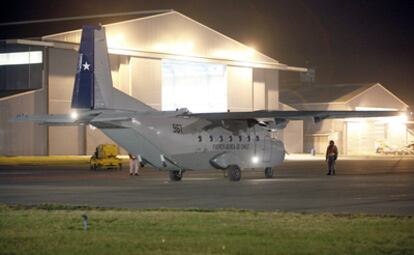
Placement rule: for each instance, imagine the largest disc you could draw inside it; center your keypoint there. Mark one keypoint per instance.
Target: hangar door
(317, 142)
(363, 136)
(200, 87)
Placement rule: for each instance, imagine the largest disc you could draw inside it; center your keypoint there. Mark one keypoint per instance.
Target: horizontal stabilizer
(52, 120)
(73, 119)
(77, 118)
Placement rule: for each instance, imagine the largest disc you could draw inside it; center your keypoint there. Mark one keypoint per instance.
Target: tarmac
(361, 185)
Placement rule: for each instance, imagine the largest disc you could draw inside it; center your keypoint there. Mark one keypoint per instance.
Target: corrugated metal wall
(23, 138)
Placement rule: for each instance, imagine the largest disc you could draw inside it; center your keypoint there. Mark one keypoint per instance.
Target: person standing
(133, 165)
(331, 156)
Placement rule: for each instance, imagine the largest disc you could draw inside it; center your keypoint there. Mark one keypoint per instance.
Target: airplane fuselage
(180, 143)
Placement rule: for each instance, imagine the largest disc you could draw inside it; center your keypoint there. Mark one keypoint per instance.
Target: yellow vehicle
(105, 156)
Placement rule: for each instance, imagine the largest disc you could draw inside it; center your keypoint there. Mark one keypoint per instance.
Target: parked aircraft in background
(176, 141)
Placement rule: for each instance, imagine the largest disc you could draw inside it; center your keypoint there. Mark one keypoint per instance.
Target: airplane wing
(279, 116)
(294, 115)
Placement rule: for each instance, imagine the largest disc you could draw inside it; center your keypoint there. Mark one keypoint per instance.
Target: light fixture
(255, 159)
(74, 115)
(250, 52)
(403, 117)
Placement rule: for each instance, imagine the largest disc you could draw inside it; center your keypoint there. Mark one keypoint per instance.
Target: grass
(52, 229)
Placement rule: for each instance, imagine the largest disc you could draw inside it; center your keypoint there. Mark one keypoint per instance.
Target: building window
(257, 138)
(199, 87)
(240, 138)
(221, 138)
(21, 68)
(200, 139)
(248, 138)
(230, 138)
(211, 138)
(21, 58)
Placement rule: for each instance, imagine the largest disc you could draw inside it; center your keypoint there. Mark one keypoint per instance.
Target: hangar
(356, 135)
(167, 60)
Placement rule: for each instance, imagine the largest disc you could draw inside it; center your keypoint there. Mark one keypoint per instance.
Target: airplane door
(267, 153)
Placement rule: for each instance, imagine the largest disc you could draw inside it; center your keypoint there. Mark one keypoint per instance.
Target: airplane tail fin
(93, 82)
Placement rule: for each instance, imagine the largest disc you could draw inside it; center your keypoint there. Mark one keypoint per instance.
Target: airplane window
(248, 138)
(230, 138)
(221, 138)
(257, 138)
(211, 138)
(200, 138)
(240, 138)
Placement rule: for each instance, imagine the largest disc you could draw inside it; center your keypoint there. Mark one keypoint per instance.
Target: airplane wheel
(268, 172)
(176, 176)
(234, 173)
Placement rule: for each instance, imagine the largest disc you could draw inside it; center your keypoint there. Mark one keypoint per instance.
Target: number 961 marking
(177, 128)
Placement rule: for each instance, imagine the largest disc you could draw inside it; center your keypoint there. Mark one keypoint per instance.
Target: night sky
(346, 41)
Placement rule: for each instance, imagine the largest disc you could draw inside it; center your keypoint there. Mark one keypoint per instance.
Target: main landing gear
(176, 175)
(234, 173)
(268, 172)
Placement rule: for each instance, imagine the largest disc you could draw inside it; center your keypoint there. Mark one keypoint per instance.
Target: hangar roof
(174, 35)
(328, 94)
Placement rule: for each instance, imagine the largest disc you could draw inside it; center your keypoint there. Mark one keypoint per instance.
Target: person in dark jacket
(331, 156)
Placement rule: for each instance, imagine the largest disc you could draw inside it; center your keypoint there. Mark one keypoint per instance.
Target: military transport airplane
(176, 141)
